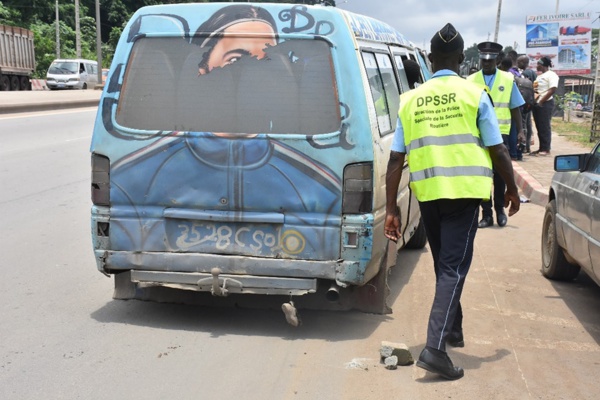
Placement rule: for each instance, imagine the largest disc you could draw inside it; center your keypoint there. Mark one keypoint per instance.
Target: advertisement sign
(566, 39)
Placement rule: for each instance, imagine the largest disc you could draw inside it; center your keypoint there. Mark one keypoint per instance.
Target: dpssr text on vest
(436, 100)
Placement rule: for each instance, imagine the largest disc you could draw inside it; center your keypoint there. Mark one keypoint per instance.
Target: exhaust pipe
(333, 293)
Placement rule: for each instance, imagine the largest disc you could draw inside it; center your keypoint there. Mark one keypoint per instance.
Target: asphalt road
(63, 337)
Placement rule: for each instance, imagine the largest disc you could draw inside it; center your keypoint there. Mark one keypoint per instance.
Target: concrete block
(391, 362)
(400, 350)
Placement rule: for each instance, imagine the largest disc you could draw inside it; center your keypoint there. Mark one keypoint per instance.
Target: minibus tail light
(100, 180)
(358, 189)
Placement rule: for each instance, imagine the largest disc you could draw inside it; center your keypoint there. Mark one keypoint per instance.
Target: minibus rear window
(290, 88)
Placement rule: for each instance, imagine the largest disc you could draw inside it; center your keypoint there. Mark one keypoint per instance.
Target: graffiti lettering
(302, 21)
(231, 237)
(295, 15)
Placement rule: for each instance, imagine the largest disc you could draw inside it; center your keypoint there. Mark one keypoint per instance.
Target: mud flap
(372, 297)
(124, 288)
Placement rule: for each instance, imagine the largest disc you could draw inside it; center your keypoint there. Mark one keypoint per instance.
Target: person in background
(514, 138)
(512, 56)
(507, 102)
(523, 65)
(413, 73)
(545, 85)
(505, 65)
(450, 160)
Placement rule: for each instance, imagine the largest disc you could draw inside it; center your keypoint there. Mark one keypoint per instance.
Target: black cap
(545, 61)
(447, 40)
(489, 50)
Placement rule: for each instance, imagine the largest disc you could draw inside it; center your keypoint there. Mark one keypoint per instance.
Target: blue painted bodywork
(187, 201)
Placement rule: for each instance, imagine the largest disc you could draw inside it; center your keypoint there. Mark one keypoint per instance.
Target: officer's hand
(392, 227)
(514, 201)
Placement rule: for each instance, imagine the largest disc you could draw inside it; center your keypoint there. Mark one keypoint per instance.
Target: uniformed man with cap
(507, 104)
(448, 132)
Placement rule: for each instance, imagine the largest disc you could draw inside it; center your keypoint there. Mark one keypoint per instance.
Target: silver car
(571, 229)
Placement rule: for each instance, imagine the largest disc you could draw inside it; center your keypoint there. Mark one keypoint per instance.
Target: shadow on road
(582, 296)
(256, 314)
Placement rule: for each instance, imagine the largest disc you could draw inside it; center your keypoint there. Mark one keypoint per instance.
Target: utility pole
(498, 21)
(57, 33)
(77, 30)
(556, 7)
(98, 42)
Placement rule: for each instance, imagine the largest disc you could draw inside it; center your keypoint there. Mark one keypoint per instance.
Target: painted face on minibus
(229, 49)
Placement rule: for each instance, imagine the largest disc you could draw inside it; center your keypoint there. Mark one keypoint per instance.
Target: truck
(17, 58)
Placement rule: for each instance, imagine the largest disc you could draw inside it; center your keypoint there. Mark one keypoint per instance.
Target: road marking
(487, 270)
(78, 138)
(542, 344)
(530, 316)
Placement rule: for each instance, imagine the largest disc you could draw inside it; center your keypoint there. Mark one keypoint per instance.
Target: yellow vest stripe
(450, 172)
(460, 138)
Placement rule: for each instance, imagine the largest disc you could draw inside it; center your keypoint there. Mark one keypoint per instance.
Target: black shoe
(502, 219)
(485, 222)
(439, 364)
(455, 340)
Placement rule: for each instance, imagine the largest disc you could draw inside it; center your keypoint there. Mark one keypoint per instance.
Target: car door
(579, 208)
(594, 190)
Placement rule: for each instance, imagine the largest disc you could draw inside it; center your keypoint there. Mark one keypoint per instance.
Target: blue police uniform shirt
(486, 120)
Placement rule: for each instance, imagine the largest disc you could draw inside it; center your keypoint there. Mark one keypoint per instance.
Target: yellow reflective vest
(446, 157)
(500, 93)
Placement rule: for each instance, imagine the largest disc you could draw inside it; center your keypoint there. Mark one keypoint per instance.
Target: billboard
(564, 38)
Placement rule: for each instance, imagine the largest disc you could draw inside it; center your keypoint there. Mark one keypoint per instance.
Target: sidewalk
(533, 174)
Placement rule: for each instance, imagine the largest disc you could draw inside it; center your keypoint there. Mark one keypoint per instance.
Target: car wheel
(554, 262)
(419, 239)
(84, 87)
(24, 83)
(15, 83)
(4, 83)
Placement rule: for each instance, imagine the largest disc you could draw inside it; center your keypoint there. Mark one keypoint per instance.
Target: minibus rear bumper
(265, 275)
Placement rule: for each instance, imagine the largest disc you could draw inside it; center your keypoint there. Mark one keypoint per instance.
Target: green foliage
(568, 100)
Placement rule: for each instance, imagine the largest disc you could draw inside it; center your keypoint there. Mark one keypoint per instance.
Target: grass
(577, 130)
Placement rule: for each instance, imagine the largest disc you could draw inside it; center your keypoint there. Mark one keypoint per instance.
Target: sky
(418, 20)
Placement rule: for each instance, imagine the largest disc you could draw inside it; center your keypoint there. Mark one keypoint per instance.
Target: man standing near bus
(448, 132)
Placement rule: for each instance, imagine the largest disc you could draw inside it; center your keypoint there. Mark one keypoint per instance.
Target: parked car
(571, 228)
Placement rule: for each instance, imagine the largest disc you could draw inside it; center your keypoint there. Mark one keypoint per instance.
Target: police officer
(448, 132)
(507, 104)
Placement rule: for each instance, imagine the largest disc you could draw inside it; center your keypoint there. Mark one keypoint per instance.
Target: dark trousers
(527, 124)
(542, 117)
(451, 225)
(513, 149)
(498, 193)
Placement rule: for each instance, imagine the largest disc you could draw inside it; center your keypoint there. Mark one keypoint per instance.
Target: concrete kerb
(19, 108)
(529, 186)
